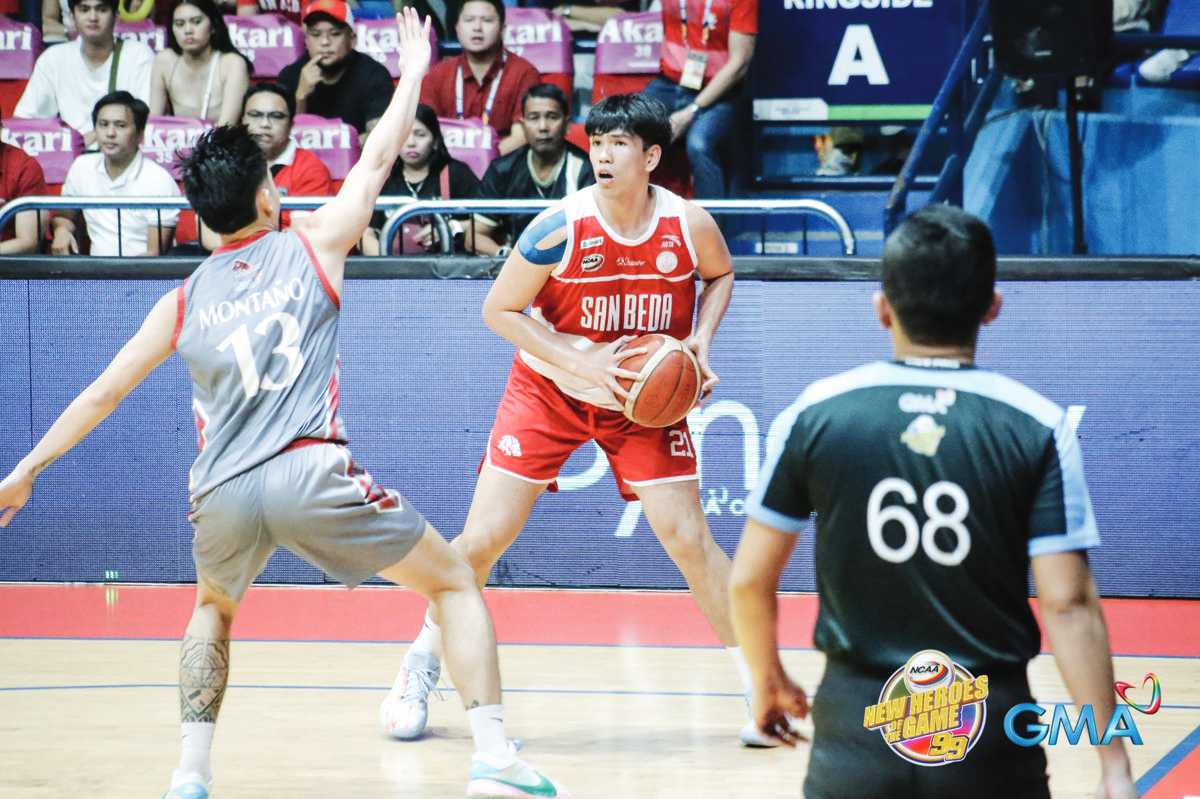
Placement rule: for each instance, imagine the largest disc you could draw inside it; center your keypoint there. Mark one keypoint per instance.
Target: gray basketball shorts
(313, 500)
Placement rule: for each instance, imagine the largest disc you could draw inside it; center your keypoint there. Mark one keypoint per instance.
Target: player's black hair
(140, 111)
(546, 91)
(222, 175)
(112, 5)
(289, 99)
(637, 114)
(939, 275)
(498, 5)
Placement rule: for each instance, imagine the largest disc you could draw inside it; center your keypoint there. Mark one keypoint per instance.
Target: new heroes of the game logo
(932, 711)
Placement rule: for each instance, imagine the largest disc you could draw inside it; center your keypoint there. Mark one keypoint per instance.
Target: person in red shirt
(289, 9)
(486, 81)
(706, 52)
(267, 111)
(20, 176)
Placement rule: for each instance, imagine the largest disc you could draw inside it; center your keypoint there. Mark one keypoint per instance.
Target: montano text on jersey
(257, 327)
(607, 286)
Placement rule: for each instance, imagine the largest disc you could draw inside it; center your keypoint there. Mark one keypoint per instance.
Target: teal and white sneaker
(188, 785)
(405, 711)
(506, 777)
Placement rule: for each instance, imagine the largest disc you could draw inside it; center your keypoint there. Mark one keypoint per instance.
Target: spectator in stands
(67, 80)
(706, 52)
(485, 81)
(549, 167)
(119, 169)
(333, 79)
(839, 152)
(426, 171)
(289, 9)
(20, 176)
(200, 74)
(269, 112)
(588, 18)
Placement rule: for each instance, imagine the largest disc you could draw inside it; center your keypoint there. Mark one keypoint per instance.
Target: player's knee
(482, 545)
(684, 541)
(214, 606)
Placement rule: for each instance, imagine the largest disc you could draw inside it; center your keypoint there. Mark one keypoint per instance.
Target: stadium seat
(270, 41)
(20, 44)
(471, 141)
(545, 41)
(52, 143)
(148, 32)
(627, 53)
(378, 38)
(334, 142)
(165, 136)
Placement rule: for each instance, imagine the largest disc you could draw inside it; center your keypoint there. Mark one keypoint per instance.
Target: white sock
(487, 726)
(743, 668)
(429, 640)
(197, 748)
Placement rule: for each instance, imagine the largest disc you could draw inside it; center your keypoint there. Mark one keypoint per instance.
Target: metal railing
(763, 207)
(404, 208)
(41, 203)
(963, 126)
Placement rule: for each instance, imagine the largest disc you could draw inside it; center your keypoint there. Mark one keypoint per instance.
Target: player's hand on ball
(699, 347)
(772, 707)
(603, 367)
(15, 491)
(414, 48)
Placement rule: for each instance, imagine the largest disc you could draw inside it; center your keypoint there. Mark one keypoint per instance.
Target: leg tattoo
(203, 673)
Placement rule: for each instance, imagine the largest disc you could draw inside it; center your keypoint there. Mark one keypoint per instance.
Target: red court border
(1147, 627)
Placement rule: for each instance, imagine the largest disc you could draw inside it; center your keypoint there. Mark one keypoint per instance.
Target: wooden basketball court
(614, 694)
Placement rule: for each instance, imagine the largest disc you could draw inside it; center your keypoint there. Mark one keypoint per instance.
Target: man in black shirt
(936, 486)
(549, 167)
(333, 79)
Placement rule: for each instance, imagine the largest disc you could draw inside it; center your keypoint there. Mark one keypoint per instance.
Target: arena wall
(422, 375)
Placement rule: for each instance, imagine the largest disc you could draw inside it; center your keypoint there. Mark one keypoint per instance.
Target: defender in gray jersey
(935, 486)
(257, 325)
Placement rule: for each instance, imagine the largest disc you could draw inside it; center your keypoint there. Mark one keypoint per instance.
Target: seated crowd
(488, 99)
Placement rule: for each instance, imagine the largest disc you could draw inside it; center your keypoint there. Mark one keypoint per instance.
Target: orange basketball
(668, 382)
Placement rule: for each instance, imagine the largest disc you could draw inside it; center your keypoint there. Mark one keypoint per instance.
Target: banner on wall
(421, 377)
(854, 60)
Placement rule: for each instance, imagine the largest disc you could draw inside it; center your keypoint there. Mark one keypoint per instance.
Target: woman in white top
(201, 74)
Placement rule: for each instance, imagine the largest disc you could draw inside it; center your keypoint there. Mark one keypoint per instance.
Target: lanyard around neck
(707, 22)
(491, 98)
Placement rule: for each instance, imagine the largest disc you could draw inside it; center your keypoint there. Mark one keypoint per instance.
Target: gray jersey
(259, 335)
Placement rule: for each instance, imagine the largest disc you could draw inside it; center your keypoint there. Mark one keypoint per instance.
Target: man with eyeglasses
(332, 79)
(267, 113)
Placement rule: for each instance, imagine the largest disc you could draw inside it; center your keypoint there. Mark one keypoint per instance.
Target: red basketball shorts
(538, 427)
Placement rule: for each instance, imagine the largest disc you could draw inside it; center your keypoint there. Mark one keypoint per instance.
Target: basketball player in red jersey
(610, 262)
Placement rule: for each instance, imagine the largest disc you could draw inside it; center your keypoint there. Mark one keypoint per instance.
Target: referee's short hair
(939, 275)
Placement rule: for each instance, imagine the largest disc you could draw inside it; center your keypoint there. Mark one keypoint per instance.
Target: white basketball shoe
(405, 711)
(188, 785)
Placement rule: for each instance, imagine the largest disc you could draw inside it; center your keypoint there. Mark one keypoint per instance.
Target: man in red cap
(333, 79)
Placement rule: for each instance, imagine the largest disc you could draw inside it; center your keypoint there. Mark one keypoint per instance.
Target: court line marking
(397, 642)
(384, 688)
(1169, 761)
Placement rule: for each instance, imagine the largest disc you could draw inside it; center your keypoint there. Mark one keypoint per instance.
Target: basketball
(668, 381)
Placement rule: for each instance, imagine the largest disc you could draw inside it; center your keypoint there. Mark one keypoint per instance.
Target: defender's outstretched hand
(15, 491)
(415, 53)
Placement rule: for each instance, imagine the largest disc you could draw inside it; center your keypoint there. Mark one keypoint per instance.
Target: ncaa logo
(591, 263)
(927, 670)
(666, 261)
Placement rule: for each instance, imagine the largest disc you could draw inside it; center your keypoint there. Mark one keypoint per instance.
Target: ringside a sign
(854, 60)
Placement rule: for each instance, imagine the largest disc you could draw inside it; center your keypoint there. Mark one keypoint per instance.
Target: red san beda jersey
(607, 286)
